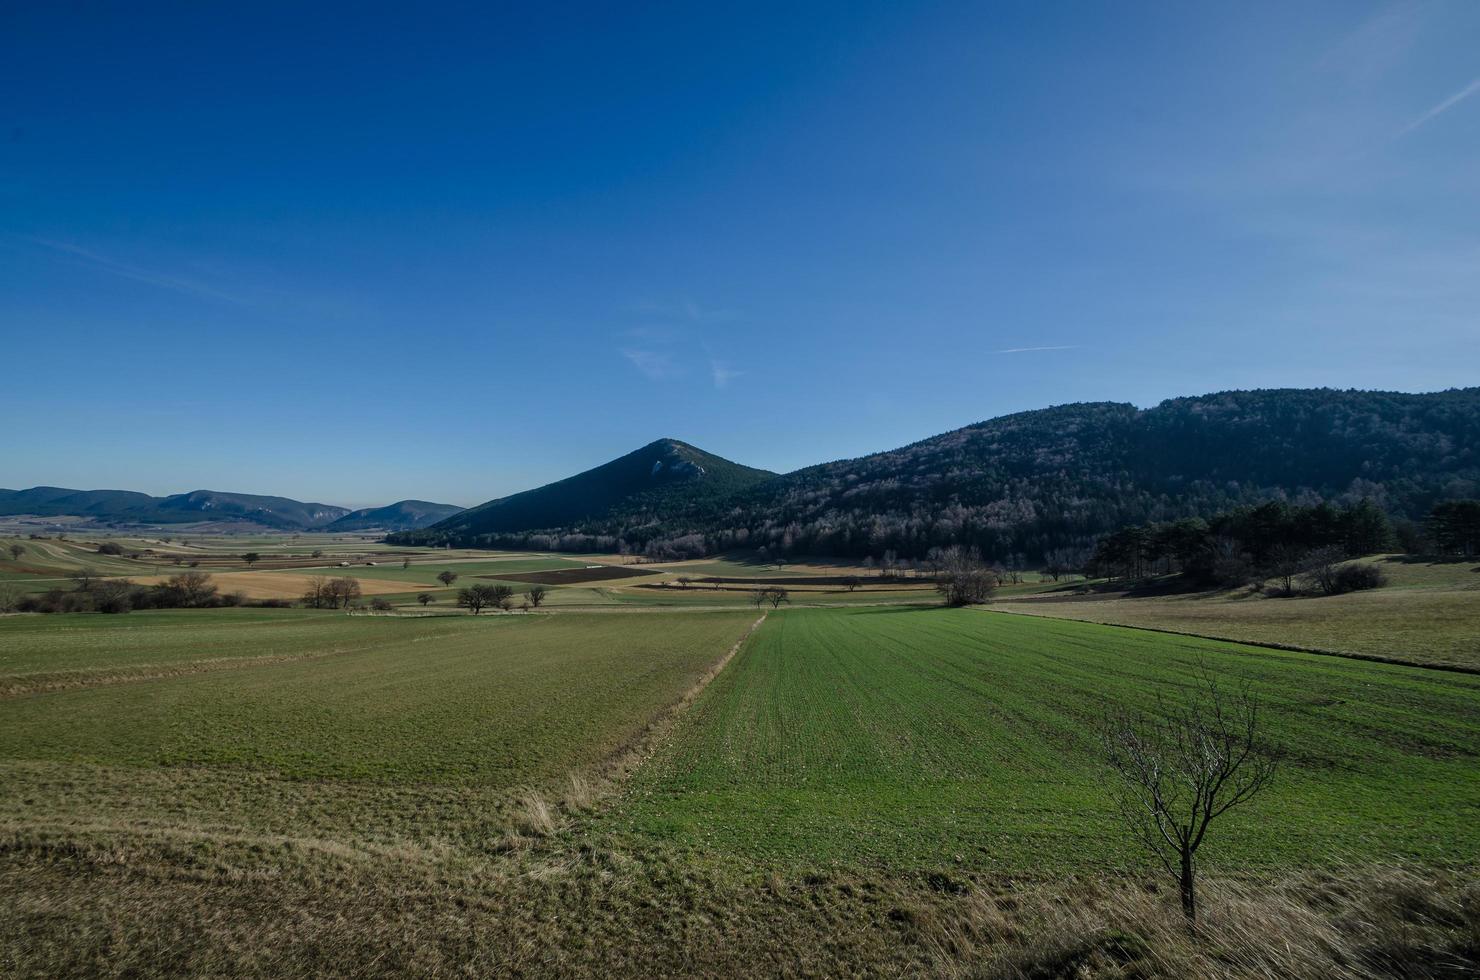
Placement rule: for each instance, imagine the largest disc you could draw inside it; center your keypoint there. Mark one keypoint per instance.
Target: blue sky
(364, 253)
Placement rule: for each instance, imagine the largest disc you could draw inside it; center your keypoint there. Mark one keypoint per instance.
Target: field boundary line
(593, 788)
(49, 683)
(1374, 658)
(626, 758)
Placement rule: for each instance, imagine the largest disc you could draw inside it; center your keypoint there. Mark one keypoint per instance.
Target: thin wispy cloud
(1442, 107)
(1028, 350)
(688, 311)
(723, 374)
(655, 365)
(152, 277)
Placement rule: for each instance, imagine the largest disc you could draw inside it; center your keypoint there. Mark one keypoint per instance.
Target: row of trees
(476, 598)
(1279, 541)
(331, 593)
(1273, 540)
(187, 590)
(1454, 527)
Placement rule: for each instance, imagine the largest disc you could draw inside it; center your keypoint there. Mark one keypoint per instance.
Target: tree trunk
(1189, 896)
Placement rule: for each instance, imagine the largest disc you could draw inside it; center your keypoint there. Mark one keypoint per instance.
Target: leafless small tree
(537, 595)
(775, 595)
(962, 578)
(425, 598)
(251, 558)
(1286, 562)
(316, 594)
(1321, 568)
(1181, 768)
(447, 578)
(16, 550)
(476, 598)
(683, 581)
(191, 589)
(343, 592)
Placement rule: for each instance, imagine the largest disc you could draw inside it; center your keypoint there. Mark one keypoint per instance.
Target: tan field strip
(288, 585)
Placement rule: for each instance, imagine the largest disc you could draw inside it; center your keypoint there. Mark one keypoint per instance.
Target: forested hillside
(599, 508)
(127, 506)
(1027, 483)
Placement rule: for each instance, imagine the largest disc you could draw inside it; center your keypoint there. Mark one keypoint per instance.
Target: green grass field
(493, 701)
(917, 738)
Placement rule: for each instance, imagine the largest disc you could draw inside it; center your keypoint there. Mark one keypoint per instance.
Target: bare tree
(191, 589)
(343, 592)
(758, 597)
(1286, 562)
(1178, 770)
(475, 598)
(83, 577)
(425, 599)
(852, 582)
(16, 550)
(447, 578)
(251, 558)
(112, 595)
(316, 594)
(683, 581)
(1322, 567)
(503, 596)
(775, 595)
(10, 597)
(537, 595)
(405, 562)
(962, 578)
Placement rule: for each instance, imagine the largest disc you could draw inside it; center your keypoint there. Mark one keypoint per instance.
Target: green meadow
(910, 738)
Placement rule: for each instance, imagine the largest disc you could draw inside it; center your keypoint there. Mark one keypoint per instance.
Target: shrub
(381, 604)
(109, 548)
(113, 596)
(1358, 576)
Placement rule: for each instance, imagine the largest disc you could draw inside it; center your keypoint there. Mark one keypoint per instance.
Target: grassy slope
(910, 738)
(1429, 614)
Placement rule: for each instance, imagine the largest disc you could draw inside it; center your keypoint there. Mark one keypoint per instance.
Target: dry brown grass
(1419, 625)
(1357, 923)
(103, 903)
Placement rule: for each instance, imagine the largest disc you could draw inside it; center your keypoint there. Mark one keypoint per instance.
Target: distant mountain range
(401, 515)
(1016, 485)
(130, 507)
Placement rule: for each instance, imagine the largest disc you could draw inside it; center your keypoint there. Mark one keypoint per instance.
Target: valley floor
(875, 789)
